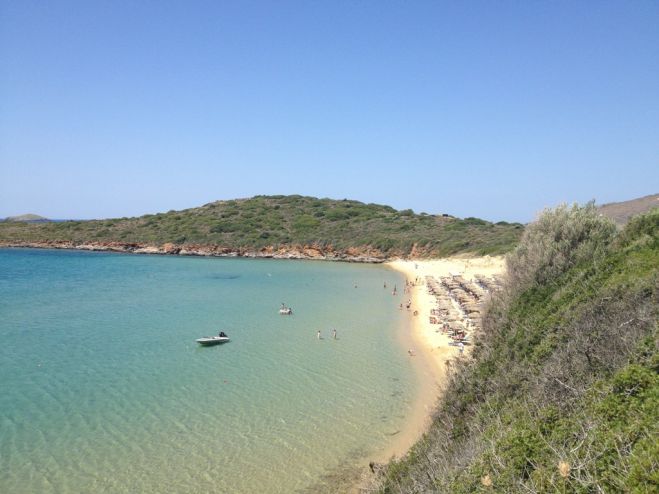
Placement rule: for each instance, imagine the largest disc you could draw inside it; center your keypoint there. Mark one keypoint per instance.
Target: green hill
(562, 392)
(276, 222)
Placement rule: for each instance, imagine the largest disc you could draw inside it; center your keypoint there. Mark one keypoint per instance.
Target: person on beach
(461, 346)
(410, 352)
(334, 334)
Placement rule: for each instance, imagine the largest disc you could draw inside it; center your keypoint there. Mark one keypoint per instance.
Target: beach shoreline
(429, 346)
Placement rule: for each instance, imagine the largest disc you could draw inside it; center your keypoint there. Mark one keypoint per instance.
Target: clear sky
(493, 109)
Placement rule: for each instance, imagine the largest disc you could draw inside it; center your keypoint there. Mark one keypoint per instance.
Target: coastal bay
(107, 391)
(412, 367)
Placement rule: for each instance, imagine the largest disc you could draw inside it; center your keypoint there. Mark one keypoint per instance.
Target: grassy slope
(562, 394)
(287, 220)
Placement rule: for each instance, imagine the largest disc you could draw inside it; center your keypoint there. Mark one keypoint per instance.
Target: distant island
(32, 218)
(277, 226)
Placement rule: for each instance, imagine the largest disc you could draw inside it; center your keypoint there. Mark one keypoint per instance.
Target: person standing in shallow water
(318, 334)
(334, 334)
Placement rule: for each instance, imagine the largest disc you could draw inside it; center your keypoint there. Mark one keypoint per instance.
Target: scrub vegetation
(280, 221)
(561, 393)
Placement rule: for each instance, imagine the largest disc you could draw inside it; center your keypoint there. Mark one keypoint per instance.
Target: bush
(336, 215)
(224, 227)
(475, 221)
(643, 226)
(305, 222)
(559, 239)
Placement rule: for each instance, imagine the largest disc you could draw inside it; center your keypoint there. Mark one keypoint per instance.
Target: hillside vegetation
(561, 393)
(281, 221)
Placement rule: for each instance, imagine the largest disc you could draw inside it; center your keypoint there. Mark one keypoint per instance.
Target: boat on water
(213, 340)
(285, 311)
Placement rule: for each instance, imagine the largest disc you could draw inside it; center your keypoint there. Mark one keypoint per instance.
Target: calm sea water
(103, 388)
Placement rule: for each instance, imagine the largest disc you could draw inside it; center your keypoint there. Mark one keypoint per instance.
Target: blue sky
(492, 109)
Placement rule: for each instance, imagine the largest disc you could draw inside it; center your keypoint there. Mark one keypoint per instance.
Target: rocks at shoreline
(305, 252)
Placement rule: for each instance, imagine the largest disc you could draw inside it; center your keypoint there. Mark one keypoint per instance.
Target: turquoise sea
(104, 389)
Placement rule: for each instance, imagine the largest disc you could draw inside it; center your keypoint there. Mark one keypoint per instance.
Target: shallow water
(105, 390)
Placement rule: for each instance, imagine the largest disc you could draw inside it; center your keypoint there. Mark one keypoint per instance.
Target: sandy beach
(429, 345)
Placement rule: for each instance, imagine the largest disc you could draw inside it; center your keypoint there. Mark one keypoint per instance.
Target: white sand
(430, 346)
